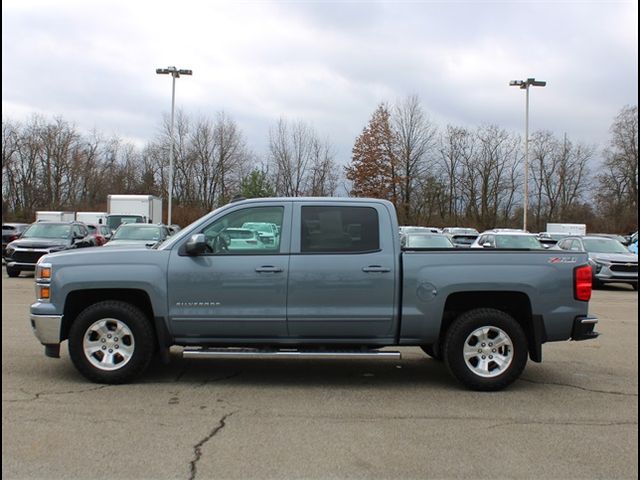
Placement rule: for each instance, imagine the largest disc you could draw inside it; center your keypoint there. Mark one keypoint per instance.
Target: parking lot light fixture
(524, 85)
(175, 73)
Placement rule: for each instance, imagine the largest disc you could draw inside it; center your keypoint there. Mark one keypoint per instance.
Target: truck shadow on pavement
(410, 371)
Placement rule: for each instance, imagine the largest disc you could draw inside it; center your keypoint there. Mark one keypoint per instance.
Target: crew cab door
(342, 273)
(237, 289)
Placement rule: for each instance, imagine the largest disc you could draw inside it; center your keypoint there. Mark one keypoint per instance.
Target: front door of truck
(341, 277)
(237, 288)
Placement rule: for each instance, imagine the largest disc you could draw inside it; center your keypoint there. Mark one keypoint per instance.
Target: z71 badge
(563, 260)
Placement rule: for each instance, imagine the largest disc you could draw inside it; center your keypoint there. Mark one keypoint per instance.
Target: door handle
(376, 269)
(269, 269)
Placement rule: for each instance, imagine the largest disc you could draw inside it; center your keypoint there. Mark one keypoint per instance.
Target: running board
(254, 352)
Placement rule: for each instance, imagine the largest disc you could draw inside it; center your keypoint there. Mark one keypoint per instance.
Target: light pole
(524, 85)
(175, 73)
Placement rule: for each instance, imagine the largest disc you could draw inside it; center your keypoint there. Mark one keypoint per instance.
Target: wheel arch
(78, 300)
(516, 304)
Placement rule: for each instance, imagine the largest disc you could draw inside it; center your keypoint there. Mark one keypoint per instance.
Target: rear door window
(329, 229)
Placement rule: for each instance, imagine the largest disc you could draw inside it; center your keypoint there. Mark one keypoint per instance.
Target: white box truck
(51, 216)
(133, 209)
(95, 218)
(567, 228)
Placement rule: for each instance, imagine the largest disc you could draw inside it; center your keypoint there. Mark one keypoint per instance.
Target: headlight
(57, 248)
(43, 279)
(9, 251)
(43, 272)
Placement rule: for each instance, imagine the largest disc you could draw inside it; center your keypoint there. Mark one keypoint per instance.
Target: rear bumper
(584, 328)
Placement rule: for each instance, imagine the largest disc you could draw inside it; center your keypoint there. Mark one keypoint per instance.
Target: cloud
(326, 63)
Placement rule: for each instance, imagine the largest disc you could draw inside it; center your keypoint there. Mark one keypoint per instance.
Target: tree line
(441, 176)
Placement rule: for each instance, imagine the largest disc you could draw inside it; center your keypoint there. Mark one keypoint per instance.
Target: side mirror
(487, 245)
(196, 245)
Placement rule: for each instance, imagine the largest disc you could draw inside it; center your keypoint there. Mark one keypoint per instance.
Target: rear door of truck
(342, 272)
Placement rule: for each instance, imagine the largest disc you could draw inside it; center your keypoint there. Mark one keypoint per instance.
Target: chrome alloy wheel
(488, 352)
(108, 344)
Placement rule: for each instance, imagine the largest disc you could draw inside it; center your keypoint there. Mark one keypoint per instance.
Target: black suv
(42, 238)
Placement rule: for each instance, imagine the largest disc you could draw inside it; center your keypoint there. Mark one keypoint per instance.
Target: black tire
(500, 365)
(434, 351)
(13, 272)
(130, 355)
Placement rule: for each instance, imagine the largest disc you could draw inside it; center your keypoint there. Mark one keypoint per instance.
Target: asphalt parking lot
(573, 416)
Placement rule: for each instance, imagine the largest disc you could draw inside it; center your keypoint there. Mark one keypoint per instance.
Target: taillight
(582, 283)
(14, 237)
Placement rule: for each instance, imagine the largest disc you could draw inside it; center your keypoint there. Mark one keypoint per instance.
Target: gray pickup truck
(330, 281)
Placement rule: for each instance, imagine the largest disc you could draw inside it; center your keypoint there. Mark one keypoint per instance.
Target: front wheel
(485, 349)
(111, 342)
(13, 272)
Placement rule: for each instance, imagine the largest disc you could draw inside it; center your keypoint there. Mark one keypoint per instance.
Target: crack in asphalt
(37, 395)
(197, 448)
(610, 392)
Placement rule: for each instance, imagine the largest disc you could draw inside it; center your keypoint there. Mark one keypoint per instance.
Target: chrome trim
(240, 353)
(46, 328)
(588, 320)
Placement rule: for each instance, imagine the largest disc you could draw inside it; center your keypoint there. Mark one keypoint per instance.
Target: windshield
(517, 241)
(464, 239)
(463, 231)
(47, 230)
(428, 241)
(137, 232)
(604, 245)
(114, 221)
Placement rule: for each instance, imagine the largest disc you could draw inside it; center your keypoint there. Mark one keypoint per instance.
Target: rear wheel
(485, 349)
(111, 342)
(13, 272)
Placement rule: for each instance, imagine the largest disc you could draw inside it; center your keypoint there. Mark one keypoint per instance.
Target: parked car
(548, 239)
(425, 240)
(173, 229)
(138, 235)
(610, 261)
(100, 234)
(633, 243)
(461, 237)
(507, 240)
(624, 241)
(411, 229)
(234, 239)
(11, 232)
(267, 232)
(42, 238)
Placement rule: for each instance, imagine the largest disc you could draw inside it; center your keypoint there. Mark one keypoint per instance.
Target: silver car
(610, 260)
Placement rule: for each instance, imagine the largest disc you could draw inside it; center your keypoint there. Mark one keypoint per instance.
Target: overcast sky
(327, 63)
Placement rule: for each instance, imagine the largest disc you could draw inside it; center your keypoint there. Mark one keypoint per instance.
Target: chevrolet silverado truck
(333, 281)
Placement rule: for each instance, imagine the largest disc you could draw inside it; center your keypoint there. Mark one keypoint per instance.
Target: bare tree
(302, 164)
(415, 138)
(618, 179)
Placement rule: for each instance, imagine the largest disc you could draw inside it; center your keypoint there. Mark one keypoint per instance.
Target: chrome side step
(190, 352)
